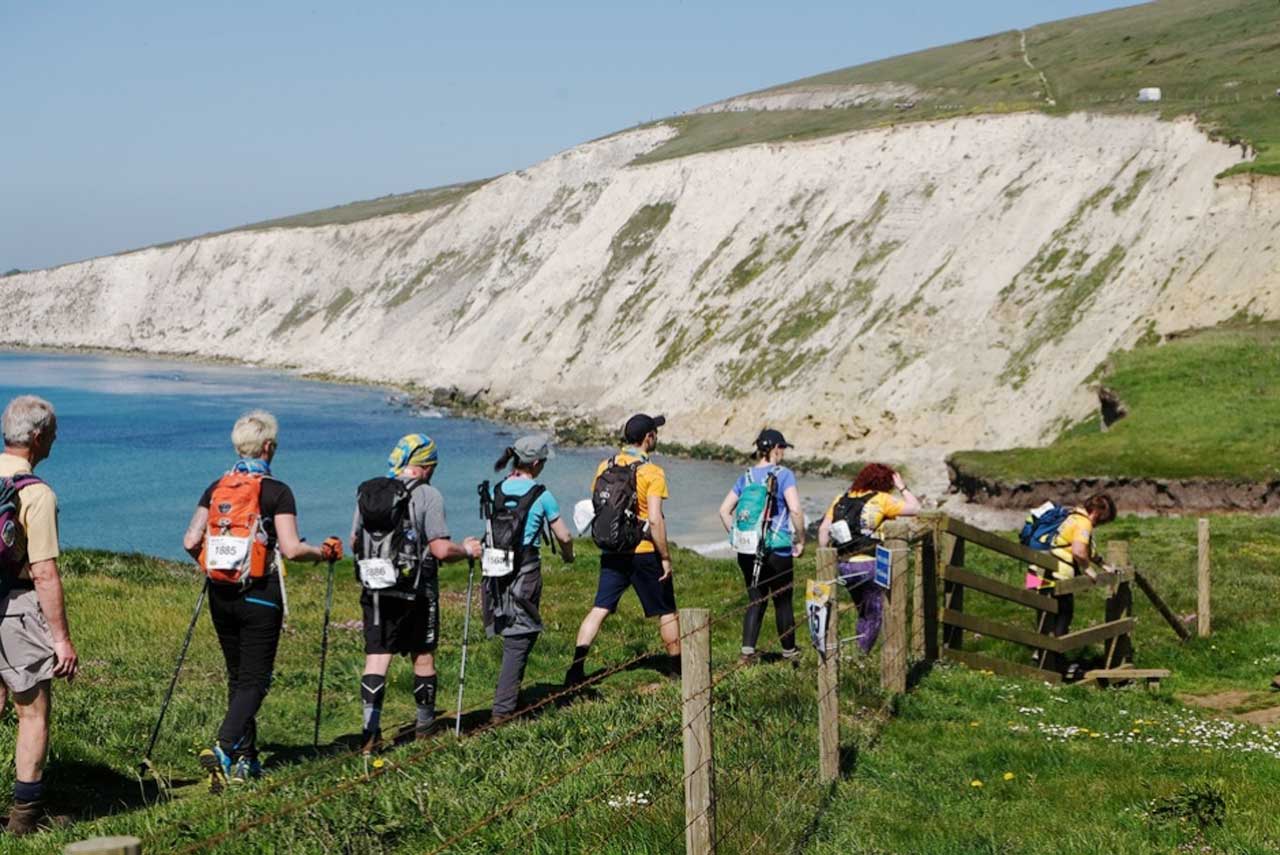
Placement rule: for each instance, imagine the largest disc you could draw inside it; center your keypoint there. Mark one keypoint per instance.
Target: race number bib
(840, 532)
(376, 573)
(497, 562)
(745, 542)
(227, 553)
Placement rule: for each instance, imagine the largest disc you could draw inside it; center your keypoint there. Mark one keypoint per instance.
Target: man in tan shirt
(35, 644)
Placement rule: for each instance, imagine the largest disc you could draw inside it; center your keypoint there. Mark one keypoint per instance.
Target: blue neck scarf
(252, 466)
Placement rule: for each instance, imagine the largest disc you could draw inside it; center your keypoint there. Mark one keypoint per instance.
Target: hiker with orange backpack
(35, 643)
(243, 522)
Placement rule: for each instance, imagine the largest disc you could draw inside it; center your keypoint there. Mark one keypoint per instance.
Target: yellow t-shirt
(878, 508)
(1078, 528)
(650, 481)
(38, 514)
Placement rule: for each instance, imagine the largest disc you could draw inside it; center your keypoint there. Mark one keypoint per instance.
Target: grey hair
(252, 431)
(26, 416)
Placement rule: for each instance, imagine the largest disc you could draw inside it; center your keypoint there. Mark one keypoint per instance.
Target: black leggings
(1057, 625)
(248, 624)
(776, 580)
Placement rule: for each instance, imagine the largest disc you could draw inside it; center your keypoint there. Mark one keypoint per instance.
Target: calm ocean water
(140, 439)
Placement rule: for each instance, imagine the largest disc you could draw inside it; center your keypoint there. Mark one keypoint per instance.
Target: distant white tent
(1149, 93)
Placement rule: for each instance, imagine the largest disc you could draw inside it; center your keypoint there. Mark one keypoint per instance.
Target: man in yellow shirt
(35, 644)
(1073, 547)
(648, 567)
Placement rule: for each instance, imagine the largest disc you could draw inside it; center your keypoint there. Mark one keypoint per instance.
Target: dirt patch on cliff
(1134, 495)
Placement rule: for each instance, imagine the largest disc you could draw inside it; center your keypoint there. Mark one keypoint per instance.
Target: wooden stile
(893, 650)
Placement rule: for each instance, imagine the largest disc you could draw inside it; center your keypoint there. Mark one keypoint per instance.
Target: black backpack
(388, 535)
(617, 526)
(849, 510)
(506, 526)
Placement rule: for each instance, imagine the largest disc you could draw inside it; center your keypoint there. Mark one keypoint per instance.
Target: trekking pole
(483, 489)
(324, 651)
(466, 629)
(173, 682)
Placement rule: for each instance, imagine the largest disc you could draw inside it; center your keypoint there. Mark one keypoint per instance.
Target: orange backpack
(235, 544)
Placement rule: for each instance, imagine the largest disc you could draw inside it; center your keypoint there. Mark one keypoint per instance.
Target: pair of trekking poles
(147, 765)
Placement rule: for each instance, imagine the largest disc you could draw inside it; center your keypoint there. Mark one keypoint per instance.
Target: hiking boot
(575, 676)
(246, 770)
(424, 730)
(370, 742)
(218, 766)
(24, 818)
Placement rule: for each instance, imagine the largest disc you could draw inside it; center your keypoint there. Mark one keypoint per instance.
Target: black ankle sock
(580, 657)
(28, 791)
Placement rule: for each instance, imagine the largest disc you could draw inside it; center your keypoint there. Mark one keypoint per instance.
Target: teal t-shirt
(546, 509)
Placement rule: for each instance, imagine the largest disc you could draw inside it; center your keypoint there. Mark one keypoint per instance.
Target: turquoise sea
(140, 439)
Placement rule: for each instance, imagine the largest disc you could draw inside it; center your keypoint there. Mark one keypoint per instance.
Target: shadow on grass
(86, 791)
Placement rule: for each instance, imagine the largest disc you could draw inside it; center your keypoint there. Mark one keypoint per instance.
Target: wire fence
(746, 761)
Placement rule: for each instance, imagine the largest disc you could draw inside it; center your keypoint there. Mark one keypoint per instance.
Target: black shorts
(403, 625)
(622, 570)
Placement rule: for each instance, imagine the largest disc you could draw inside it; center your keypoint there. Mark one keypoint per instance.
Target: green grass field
(1203, 405)
(1210, 59)
(603, 773)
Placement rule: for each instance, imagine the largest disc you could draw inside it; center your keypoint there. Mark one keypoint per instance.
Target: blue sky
(127, 124)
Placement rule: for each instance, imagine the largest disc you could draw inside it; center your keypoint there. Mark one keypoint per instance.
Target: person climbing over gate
(399, 538)
(512, 566)
(852, 525)
(631, 530)
(766, 527)
(1067, 533)
(242, 524)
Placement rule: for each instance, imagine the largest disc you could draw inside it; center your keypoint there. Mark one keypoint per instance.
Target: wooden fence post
(893, 650)
(695, 681)
(917, 599)
(105, 846)
(951, 554)
(829, 679)
(1119, 605)
(1202, 578)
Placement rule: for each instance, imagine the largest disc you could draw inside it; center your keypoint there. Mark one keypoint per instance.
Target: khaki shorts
(26, 645)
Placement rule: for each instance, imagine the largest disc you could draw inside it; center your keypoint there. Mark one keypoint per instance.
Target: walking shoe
(576, 675)
(218, 765)
(31, 817)
(246, 770)
(370, 742)
(748, 659)
(792, 656)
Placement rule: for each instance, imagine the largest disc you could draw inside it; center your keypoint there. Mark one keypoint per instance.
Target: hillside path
(1026, 57)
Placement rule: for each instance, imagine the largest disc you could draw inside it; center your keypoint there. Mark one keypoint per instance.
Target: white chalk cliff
(892, 292)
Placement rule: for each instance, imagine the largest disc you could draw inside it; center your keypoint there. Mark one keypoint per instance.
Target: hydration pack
(1042, 525)
(847, 534)
(617, 526)
(389, 552)
(235, 543)
(13, 542)
(505, 531)
(752, 526)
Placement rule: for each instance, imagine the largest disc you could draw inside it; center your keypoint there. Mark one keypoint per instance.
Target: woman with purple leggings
(852, 526)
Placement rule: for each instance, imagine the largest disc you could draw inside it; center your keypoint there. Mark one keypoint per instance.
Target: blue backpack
(1042, 525)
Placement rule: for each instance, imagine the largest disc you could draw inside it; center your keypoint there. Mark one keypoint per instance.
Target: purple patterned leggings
(858, 578)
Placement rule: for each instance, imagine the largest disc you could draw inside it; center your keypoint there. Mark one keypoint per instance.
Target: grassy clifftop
(1214, 60)
(1205, 404)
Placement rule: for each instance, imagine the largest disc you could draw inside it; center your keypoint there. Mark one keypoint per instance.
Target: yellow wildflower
(1009, 776)
(975, 783)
